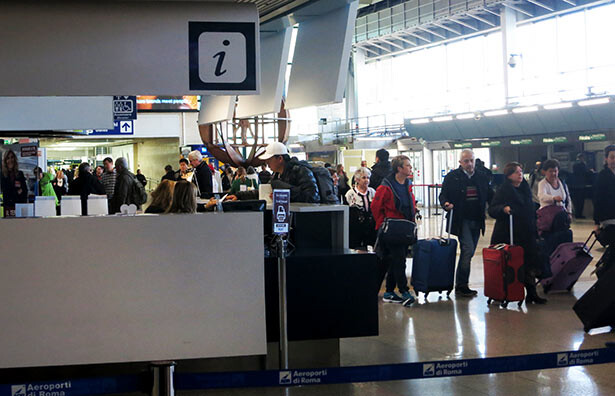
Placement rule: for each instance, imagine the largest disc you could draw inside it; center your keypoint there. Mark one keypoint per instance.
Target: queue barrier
(318, 376)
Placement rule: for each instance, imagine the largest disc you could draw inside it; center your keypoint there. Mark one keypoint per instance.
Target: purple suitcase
(568, 262)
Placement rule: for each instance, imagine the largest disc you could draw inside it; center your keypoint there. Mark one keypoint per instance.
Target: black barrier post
(281, 227)
(282, 303)
(162, 378)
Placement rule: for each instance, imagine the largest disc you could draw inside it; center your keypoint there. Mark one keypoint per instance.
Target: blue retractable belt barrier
(393, 372)
(77, 387)
(299, 377)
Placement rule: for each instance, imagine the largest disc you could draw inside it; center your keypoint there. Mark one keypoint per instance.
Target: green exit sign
(592, 137)
(558, 139)
(462, 145)
(493, 143)
(517, 142)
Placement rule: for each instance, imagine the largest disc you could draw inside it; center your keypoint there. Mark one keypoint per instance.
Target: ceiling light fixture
(592, 102)
(556, 106)
(494, 113)
(527, 109)
(420, 121)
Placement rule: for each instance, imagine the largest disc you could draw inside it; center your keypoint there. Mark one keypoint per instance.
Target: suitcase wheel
(504, 304)
(488, 301)
(519, 304)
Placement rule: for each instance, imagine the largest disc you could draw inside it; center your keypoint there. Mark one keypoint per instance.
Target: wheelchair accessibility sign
(222, 56)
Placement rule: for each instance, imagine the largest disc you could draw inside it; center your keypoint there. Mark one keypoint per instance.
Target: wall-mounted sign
(119, 128)
(124, 108)
(491, 143)
(462, 145)
(516, 142)
(558, 139)
(592, 137)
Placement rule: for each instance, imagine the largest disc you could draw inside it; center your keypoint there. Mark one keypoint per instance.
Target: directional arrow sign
(126, 127)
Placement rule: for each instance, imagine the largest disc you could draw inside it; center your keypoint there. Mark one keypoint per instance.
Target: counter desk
(110, 289)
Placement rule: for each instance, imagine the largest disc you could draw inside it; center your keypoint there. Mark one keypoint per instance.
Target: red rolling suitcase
(502, 265)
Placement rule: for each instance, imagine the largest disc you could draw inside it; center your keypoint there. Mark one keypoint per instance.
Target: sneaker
(465, 291)
(392, 298)
(408, 298)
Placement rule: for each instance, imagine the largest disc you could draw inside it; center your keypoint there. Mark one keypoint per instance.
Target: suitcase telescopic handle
(511, 229)
(593, 243)
(450, 224)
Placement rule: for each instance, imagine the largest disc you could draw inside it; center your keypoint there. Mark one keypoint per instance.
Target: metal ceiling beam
(418, 36)
(405, 40)
(572, 3)
(363, 47)
(432, 32)
(380, 46)
(392, 43)
(462, 23)
(450, 29)
(539, 4)
(481, 19)
(518, 9)
(490, 12)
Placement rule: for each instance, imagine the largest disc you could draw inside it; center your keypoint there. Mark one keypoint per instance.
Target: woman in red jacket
(394, 199)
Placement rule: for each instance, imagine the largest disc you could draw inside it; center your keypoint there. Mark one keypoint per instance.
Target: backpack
(139, 196)
(325, 185)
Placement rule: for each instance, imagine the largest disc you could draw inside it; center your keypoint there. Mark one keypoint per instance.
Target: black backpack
(325, 185)
(139, 196)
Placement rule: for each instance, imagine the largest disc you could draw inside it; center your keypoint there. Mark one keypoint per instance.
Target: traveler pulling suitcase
(568, 262)
(596, 308)
(433, 263)
(502, 265)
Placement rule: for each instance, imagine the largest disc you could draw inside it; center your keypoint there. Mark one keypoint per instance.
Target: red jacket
(384, 207)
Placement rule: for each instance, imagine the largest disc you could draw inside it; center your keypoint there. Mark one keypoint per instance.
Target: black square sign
(222, 56)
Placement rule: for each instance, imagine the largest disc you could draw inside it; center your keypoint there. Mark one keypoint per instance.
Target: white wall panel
(48, 113)
(274, 61)
(322, 53)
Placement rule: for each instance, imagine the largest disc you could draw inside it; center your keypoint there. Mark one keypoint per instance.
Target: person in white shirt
(551, 190)
(359, 198)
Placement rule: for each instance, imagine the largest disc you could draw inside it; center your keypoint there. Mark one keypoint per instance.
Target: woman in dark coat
(515, 196)
(14, 187)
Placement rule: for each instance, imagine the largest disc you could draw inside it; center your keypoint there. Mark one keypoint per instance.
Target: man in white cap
(291, 173)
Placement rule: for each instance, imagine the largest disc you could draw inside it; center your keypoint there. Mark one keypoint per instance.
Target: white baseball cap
(275, 148)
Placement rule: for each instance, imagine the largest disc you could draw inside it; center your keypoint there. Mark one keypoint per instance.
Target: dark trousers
(394, 260)
(577, 196)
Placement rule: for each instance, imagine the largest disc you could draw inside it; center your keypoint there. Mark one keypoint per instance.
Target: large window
(560, 58)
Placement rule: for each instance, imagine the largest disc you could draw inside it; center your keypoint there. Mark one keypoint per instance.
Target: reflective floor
(442, 328)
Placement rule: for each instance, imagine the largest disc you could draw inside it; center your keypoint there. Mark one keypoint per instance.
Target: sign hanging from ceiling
(126, 48)
(124, 108)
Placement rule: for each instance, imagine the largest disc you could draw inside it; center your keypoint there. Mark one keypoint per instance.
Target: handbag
(398, 232)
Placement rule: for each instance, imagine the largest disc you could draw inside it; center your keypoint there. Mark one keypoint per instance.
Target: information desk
(110, 289)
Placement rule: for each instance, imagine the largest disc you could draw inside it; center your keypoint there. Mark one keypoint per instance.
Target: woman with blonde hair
(184, 198)
(162, 197)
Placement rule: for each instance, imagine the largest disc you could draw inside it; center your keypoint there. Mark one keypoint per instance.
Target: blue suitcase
(433, 264)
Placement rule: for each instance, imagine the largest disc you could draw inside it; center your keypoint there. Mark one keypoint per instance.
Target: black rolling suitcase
(596, 308)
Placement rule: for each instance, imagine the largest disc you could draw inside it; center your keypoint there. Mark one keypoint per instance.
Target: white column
(511, 77)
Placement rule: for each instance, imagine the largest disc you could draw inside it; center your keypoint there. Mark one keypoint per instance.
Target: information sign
(281, 211)
(592, 137)
(462, 145)
(558, 139)
(119, 128)
(516, 142)
(491, 143)
(124, 108)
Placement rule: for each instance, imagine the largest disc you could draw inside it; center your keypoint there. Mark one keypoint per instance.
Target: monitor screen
(168, 103)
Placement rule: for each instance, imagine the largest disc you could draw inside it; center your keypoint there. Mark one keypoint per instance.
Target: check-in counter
(332, 291)
(111, 289)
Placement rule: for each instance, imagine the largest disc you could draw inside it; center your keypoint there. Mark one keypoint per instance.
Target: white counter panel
(88, 290)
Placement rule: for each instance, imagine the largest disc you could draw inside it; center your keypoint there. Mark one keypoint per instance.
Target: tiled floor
(467, 328)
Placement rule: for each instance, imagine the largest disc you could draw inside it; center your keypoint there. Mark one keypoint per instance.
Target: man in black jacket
(381, 169)
(202, 174)
(467, 192)
(291, 173)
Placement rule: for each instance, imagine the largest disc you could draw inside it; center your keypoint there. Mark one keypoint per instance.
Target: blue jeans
(470, 231)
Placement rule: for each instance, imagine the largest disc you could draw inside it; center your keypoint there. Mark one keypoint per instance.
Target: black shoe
(465, 291)
(535, 299)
